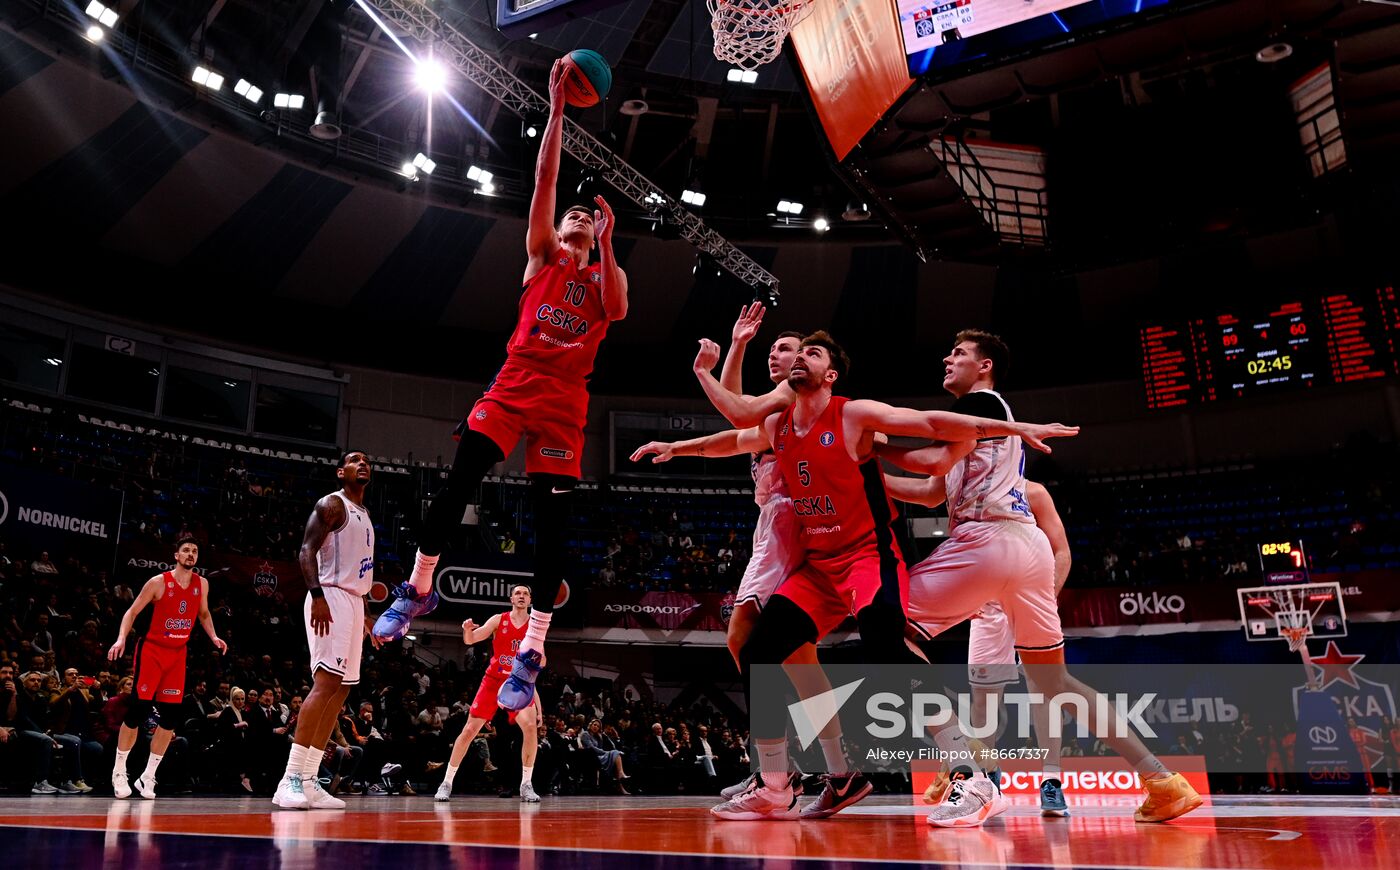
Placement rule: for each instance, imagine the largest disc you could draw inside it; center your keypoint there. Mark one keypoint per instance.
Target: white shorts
(339, 650)
(991, 654)
(777, 552)
(1007, 562)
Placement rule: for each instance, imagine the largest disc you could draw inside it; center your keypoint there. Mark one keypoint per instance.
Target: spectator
(508, 543)
(42, 565)
(233, 741)
(609, 757)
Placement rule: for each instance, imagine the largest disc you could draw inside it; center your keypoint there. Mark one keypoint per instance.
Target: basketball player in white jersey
(777, 546)
(991, 652)
(337, 564)
(995, 552)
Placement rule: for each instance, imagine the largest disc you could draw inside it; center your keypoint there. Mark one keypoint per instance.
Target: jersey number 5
(803, 474)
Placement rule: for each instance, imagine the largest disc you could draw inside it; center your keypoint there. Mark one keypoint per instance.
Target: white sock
(296, 761)
(422, 576)
(526, 774)
(773, 762)
(451, 775)
(1051, 771)
(1151, 768)
(120, 766)
(957, 750)
(151, 764)
(534, 634)
(311, 769)
(834, 754)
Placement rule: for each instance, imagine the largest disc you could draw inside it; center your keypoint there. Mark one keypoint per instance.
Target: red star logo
(1336, 666)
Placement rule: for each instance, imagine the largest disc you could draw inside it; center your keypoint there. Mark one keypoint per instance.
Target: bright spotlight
(426, 163)
(107, 17)
(94, 34)
(430, 76)
(288, 101)
(821, 225)
(409, 171)
(248, 91)
(488, 188)
(693, 197)
(787, 207)
(207, 78)
(479, 175)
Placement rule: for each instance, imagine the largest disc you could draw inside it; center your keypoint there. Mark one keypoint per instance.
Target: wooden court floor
(244, 833)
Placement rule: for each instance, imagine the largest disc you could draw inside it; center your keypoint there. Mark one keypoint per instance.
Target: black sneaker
(838, 792)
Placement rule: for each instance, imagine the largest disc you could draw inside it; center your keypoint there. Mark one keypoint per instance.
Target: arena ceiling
(142, 200)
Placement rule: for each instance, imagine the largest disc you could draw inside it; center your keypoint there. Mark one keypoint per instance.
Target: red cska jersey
(505, 643)
(561, 319)
(175, 613)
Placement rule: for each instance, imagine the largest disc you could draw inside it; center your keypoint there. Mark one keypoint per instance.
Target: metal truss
(417, 20)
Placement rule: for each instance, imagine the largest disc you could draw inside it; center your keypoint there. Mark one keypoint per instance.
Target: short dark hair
(990, 347)
(839, 361)
(525, 586)
(588, 210)
(789, 334)
(349, 453)
(187, 539)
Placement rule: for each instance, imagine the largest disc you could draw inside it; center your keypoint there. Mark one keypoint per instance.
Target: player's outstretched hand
(468, 626)
(706, 357)
(220, 646)
(1035, 434)
(374, 640)
(661, 449)
(117, 649)
(320, 617)
(556, 88)
(746, 327)
(603, 220)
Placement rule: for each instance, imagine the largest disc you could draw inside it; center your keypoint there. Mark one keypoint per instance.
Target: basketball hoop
(750, 33)
(1295, 626)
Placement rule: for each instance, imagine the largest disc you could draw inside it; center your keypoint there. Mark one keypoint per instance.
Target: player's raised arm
(949, 426)
(541, 238)
(729, 443)
(474, 634)
(935, 459)
(614, 279)
(328, 516)
(740, 410)
(148, 594)
(1043, 509)
(926, 491)
(731, 377)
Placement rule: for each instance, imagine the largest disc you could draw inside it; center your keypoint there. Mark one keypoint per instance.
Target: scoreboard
(1338, 338)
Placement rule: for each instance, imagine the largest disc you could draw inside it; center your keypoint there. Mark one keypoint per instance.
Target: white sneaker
(444, 792)
(969, 803)
(120, 786)
(318, 798)
(528, 794)
(761, 802)
(289, 794)
(144, 788)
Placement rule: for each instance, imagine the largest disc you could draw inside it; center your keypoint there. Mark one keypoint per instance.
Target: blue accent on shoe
(1052, 799)
(393, 623)
(518, 690)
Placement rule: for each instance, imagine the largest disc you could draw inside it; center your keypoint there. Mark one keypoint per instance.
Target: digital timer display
(1336, 339)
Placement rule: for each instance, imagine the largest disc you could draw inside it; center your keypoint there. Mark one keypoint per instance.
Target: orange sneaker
(1166, 799)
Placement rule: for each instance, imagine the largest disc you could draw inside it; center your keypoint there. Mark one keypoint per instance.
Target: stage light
(409, 171)
(479, 175)
(430, 76)
(424, 162)
(107, 17)
(693, 197)
(94, 33)
(487, 188)
(821, 225)
(248, 91)
(788, 207)
(289, 101)
(207, 78)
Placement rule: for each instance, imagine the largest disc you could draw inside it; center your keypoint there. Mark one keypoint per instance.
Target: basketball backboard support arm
(482, 69)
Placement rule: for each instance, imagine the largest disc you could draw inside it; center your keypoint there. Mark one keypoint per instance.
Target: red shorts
(829, 590)
(549, 411)
(160, 672)
(484, 704)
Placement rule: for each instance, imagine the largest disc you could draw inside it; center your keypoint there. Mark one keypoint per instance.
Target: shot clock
(1283, 561)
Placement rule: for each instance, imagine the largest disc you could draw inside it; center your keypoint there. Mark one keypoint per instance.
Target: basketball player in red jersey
(337, 566)
(506, 631)
(853, 567)
(178, 597)
(540, 394)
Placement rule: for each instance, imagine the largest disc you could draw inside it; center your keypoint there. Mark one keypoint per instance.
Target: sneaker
(838, 792)
(407, 790)
(528, 795)
(970, 802)
(408, 604)
(761, 802)
(43, 787)
(68, 787)
(1052, 799)
(81, 786)
(444, 792)
(488, 767)
(736, 790)
(318, 798)
(518, 690)
(144, 788)
(290, 795)
(1167, 798)
(120, 786)
(376, 789)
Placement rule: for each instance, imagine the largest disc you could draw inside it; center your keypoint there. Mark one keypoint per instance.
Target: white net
(1295, 625)
(750, 33)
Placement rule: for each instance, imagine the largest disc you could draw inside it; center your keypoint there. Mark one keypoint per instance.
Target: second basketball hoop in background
(587, 79)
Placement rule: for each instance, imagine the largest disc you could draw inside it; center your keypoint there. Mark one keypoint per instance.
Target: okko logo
(1322, 734)
(1136, 603)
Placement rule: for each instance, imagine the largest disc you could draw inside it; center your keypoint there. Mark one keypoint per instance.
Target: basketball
(587, 78)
